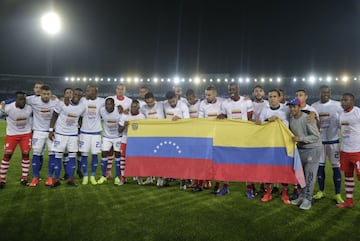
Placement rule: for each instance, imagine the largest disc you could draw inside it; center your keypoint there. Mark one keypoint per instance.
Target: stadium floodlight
(232, 80)
(122, 79)
(355, 78)
(66, 78)
(72, 78)
(294, 79)
(155, 80)
(183, 80)
(226, 80)
(84, 79)
(240, 80)
(96, 79)
(78, 79)
(190, 80)
(204, 80)
(255, 80)
(320, 79)
(262, 80)
(197, 80)
(176, 80)
(90, 79)
(345, 78)
(108, 79)
(247, 80)
(218, 80)
(141, 80)
(303, 79)
(278, 80)
(115, 79)
(162, 80)
(211, 80)
(51, 23)
(128, 79)
(328, 79)
(312, 79)
(336, 79)
(136, 79)
(102, 79)
(270, 79)
(168, 80)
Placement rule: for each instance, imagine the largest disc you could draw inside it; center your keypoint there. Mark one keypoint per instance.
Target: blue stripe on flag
(252, 156)
(177, 147)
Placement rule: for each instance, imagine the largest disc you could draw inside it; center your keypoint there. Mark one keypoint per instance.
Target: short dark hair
(135, 101)
(258, 86)
(68, 88)
(45, 87)
(350, 95)
(211, 87)
(301, 90)
(324, 87)
(275, 90)
(190, 92)
(78, 89)
(170, 94)
(19, 92)
(110, 99)
(149, 95)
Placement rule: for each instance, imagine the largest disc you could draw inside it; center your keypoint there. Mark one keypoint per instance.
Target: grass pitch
(132, 212)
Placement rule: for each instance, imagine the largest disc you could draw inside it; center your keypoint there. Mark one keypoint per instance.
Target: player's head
(325, 93)
(20, 99)
(78, 93)
(295, 106)
(68, 92)
(142, 92)
(258, 92)
(210, 94)
(282, 96)
(190, 96)
(234, 91)
(37, 88)
(120, 90)
(171, 98)
(301, 94)
(150, 99)
(178, 91)
(45, 93)
(347, 101)
(135, 107)
(109, 104)
(91, 92)
(274, 98)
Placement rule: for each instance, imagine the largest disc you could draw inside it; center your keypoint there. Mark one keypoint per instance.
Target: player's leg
(84, 148)
(321, 173)
(334, 157)
(25, 147)
(9, 147)
(38, 144)
(95, 143)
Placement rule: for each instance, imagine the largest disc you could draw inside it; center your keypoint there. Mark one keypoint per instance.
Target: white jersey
(18, 120)
(236, 110)
(124, 118)
(155, 112)
(312, 109)
(350, 130)
(210, 110)
(91, 122)
(42, 112)
(124, 101)
(180, 110)
(282, 112)
(194, 109)
(110, 123)
(67, 122)
(141, 103)
(258, 107)
(329, 114)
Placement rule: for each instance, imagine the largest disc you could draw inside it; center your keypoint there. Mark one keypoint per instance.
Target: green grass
(132, 212)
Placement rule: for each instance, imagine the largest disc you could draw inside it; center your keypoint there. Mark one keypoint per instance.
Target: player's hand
(272, 118)
(296, 138)
(66, 101)
(120, 109)
(126, 123)
(258, 122)
(312, 117)
(51, 135)
(126, 112)
(176, 118)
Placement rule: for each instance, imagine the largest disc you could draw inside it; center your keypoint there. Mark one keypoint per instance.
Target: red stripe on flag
(185, 168)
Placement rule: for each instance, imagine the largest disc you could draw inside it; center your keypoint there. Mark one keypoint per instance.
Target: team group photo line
(77, 126)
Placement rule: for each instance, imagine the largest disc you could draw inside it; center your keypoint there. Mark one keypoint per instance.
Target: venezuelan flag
(179, 149)
(211, 149)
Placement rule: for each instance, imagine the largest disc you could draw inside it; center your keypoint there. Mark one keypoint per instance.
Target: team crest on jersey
(135, 126)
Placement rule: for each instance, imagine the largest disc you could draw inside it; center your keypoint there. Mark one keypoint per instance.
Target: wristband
(51, 129)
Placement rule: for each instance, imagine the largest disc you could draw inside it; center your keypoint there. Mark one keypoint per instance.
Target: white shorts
(107, 143)
(39, 139)
(332, 152)
(65, 143)
(88, 142)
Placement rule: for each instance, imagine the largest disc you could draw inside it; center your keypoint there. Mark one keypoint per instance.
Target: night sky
(168, 38)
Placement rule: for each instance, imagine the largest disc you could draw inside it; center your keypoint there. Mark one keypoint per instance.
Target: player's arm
(52, 125)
